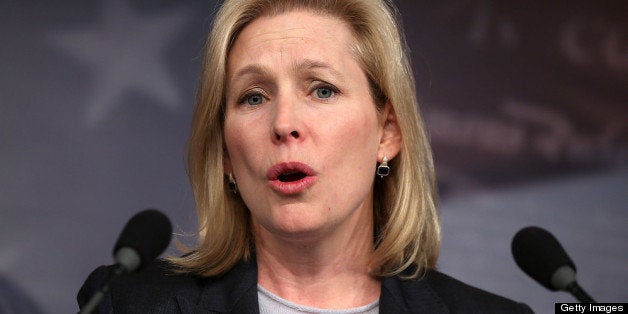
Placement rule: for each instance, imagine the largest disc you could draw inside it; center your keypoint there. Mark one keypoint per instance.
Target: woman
(311, 171)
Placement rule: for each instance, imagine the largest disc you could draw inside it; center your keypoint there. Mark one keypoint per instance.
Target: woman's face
(301, 129)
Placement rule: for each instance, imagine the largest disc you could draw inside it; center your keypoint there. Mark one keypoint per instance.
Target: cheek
(231, 137)
(362, 130)
(356, 141)
(244, 141)
(238, 131)
(236, 142)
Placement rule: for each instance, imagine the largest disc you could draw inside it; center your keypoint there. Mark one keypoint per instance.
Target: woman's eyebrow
(309, 64)
(299, 67)
(251, 69)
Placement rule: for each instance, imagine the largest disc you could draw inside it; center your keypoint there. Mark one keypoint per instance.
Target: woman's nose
(287, 120)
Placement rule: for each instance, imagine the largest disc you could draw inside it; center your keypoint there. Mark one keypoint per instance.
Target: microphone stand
(577, 291)
(93, 302)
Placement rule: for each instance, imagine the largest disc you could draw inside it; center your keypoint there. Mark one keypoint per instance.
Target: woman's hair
(407, 228)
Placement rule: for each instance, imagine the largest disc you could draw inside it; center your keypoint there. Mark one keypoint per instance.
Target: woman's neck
(329, 270)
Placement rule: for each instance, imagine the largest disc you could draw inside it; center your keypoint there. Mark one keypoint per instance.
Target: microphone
(539, 254)
(143, 238)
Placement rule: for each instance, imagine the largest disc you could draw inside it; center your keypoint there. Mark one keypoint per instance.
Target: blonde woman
(311, 171)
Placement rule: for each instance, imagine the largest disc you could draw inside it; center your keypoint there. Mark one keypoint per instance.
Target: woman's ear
(226, 164)
(390, 140)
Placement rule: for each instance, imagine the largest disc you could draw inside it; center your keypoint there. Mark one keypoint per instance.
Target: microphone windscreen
(148, 233)
(539, 254)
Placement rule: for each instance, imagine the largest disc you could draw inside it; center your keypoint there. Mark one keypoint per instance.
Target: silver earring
(383, 169)
(233, 187)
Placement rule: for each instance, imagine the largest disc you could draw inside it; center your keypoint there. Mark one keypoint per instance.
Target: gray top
(270, 303)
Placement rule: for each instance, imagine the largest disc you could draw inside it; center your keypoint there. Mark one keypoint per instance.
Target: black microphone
(144, 237)
(539, 254)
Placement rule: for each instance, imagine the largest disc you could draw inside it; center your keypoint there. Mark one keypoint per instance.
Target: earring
(233, 187)
(383, 169)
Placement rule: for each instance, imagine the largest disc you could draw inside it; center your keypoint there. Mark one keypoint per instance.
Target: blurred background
(526, 105)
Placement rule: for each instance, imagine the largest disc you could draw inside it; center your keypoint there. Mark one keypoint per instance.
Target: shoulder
(461, 297)
(157, 287)
(436, 292)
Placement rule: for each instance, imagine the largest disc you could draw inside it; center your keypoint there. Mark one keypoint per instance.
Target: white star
(126, 52)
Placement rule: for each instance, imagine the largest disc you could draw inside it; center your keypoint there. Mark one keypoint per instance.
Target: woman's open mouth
(290, 177)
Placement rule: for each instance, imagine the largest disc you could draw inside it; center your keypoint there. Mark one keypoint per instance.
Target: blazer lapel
(409, 296)
(235, 292)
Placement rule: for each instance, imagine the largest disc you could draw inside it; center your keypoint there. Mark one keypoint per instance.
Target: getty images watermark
(590, 308)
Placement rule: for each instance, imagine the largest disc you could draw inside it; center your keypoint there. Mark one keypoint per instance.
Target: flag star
(127, 52)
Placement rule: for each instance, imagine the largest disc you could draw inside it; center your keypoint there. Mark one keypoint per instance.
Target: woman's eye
(324, 92)
(254, 100)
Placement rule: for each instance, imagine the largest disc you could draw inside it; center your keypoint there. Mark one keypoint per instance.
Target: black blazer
(158, 290)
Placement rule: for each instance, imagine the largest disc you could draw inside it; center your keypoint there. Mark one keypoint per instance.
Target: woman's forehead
(300, 39)
(295, 28)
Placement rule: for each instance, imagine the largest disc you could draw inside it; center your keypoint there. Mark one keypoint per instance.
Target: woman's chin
(298, 229)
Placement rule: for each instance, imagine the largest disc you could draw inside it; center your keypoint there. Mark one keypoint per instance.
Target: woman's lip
(276, 170)
(290, 187)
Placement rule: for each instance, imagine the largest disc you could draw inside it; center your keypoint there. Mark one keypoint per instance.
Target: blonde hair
(405, 216)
